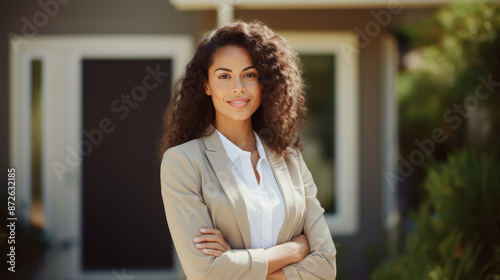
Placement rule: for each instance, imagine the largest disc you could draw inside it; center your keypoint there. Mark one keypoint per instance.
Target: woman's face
(233, 85)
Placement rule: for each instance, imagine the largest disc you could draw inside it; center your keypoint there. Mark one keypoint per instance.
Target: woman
(239, 199)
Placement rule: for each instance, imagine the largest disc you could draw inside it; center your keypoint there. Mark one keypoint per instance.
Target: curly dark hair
(282, 111)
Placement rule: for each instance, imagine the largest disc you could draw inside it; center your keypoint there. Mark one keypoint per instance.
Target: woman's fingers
(212, 252)
(211, 231)
(211, 245)
(212, 240)
(207, 238)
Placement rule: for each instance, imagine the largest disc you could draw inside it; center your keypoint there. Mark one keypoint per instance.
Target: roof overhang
(308, 4)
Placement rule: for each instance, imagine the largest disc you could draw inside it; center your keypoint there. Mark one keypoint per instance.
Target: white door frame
(61, 58)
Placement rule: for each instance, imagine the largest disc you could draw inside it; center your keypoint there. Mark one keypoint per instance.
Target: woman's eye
(224, 76)
(250, 75)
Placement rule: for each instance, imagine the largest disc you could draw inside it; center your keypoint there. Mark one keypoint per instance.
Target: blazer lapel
(229, 182)
(285, 184)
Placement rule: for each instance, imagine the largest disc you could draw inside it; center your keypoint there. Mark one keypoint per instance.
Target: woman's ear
(207, 88)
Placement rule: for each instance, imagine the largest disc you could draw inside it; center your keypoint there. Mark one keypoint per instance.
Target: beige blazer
(199, 189)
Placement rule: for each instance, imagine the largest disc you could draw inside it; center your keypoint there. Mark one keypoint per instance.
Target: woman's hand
(302, 247)
(284, 254)
(211, 242)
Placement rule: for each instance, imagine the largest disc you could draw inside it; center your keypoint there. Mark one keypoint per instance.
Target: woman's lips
(239, 102)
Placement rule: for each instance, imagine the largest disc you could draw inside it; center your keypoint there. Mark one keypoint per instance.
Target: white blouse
(264, 202)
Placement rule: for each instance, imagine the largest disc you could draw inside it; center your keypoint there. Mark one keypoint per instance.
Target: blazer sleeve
(187, 213)
(321, 262)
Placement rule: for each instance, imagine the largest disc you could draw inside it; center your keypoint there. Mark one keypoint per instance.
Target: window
(330, 138)
(318, 136)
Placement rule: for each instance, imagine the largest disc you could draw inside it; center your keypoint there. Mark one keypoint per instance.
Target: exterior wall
(159, 17)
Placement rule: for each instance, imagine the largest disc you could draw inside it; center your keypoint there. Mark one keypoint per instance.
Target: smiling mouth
(239, 103)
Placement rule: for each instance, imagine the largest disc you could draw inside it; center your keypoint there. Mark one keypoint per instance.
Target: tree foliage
(458, 46)
(457, 233)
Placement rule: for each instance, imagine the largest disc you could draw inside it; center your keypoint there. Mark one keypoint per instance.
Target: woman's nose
(238, 86)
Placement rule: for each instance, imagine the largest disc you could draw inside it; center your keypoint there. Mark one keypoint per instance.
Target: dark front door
(123, 221)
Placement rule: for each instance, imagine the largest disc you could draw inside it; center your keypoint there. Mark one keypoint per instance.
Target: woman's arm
(321, 262)
(277, 275)
(211, 242)
(287, 253)
(187, 212)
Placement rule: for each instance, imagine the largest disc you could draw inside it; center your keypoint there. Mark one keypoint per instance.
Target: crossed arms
(308, 256)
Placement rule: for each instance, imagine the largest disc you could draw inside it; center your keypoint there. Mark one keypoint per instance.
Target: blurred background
(402, 138)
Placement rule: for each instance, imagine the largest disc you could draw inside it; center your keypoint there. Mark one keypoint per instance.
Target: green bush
(457, 233)
(457, 44)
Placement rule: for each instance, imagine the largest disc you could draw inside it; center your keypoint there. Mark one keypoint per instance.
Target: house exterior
(100, 70)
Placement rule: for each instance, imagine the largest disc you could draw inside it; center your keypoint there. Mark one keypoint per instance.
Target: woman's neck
(239, 133)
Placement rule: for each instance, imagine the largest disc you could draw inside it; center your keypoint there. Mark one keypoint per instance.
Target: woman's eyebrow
(229, 70)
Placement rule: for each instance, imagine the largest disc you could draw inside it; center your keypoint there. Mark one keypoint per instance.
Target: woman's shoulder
(293, 153)
(190, 149)
(181, 162)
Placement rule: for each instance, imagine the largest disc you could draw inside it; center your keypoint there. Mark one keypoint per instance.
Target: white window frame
(344, 47)
(389, 131)
(61, 58)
